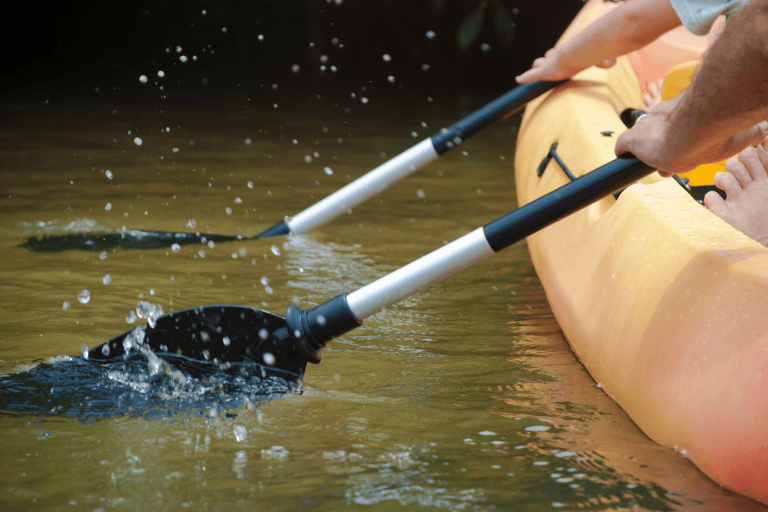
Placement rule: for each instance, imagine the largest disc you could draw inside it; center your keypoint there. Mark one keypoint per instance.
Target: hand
(648, 141)
(551, 68)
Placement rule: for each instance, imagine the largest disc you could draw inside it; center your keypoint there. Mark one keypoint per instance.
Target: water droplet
(261, 37)
(386, 57)
(263, 334)
(130, 317)
(175, 247)
(391, 79)
(137, 141)
(275, 250)
(248, 141)
(108, 174)
(225, 340)
(103, 255)
(308, 159)
(105, 350)
(425, 67)
(328, 171)
(414, 134)
(269, 359)
(84, 348)
(143, 79)
(295, 68)
(106, 279)
(229, 212)
(240, 433)
(420, 194)
(485, 47)
(223, 30)
(183, 58)
(191, 224)
(430, 34)
(161, 73)
(83, 297)
(65, 306)
(108, 207)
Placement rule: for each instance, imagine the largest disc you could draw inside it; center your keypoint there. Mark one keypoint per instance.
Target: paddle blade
(133, 239)
(223, 334)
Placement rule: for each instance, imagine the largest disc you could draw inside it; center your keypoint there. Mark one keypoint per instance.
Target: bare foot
(653, 96)
(745, 182)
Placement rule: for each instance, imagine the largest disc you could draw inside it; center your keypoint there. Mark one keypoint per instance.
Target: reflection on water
(463, 397)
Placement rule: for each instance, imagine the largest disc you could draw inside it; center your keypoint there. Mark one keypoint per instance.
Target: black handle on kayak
(564, 201)
(506, 104)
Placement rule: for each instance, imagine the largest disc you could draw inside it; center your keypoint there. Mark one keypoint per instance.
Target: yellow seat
(675, 81)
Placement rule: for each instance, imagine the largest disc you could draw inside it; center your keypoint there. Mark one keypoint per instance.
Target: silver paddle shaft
(363, 188)
(420, 274)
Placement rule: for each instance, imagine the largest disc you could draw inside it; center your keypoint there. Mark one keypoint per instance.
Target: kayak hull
(664, 303)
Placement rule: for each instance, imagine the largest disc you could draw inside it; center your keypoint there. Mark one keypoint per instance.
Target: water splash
(154, 388)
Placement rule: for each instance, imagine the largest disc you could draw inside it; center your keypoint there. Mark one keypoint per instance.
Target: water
(463, 397)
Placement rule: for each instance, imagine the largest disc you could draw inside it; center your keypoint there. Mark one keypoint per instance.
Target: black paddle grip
(508, 103)
(312, 329)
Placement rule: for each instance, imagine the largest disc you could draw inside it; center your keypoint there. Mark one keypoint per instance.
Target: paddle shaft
(315, 327)
(409, 161)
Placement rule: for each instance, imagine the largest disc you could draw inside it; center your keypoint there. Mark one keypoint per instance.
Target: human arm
(623, 29)
(721, 112)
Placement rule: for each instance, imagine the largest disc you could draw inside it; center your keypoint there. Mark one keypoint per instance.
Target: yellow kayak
(665, 304)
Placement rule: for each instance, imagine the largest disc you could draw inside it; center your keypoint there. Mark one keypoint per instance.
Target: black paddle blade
(213, 334)
(133, 239)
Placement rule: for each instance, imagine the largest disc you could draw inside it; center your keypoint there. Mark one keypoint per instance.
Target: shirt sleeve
(699, 15)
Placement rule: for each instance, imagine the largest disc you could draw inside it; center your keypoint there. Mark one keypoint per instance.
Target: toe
(715, 203)
(762, 154)
(736, 168)
(728, 183)
(752, 164)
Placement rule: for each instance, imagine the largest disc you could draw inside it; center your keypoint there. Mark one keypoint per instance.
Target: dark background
(84, 49)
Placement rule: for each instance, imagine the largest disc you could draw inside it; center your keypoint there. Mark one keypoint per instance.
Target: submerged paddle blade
(223, 334)
(133, 239)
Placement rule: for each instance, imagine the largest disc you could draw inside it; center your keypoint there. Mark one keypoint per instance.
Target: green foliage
(471, 26)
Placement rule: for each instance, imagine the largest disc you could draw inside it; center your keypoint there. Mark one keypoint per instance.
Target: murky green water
(464, 397)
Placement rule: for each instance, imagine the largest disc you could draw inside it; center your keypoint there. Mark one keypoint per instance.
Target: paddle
(332, 206)
(237, 333)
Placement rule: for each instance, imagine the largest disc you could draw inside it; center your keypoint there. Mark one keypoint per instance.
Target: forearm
(730, 90)
(624, 29)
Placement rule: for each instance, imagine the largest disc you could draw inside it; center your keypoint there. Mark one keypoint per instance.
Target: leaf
(470, 27)
(505, 27)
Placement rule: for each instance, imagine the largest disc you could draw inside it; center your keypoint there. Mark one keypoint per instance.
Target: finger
(737, 169)
(750, 137)
(606, 63)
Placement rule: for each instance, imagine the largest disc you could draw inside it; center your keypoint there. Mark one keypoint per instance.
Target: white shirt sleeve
(698, 15)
